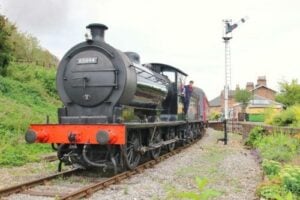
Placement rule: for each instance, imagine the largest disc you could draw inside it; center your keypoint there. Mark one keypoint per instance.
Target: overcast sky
(184, 33)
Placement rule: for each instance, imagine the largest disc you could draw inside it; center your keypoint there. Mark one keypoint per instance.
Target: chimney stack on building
(261, 81)
(249, 86)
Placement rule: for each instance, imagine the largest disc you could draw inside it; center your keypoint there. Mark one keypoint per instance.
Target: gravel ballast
(231, 170)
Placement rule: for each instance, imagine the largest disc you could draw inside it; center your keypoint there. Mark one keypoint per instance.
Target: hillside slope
(16, 45)
(27, 95)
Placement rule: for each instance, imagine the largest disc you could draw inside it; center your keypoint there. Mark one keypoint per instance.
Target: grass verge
(278, 150)
(27, 95)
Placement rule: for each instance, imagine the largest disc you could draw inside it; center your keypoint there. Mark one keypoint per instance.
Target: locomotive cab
(173, 105)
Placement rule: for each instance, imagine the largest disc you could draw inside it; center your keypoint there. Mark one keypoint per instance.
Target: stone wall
(244, 128)
(217, 125)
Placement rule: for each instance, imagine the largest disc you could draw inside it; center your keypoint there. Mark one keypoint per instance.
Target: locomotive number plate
(90, 60)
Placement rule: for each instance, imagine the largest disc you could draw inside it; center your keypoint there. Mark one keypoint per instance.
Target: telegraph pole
(227, 36)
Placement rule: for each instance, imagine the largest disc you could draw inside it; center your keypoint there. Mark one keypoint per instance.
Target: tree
(18, 46)
(27, 47)
(289, 93)
(5, 46)
(243, 97)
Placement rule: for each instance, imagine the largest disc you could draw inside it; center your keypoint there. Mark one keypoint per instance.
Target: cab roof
(159, 67)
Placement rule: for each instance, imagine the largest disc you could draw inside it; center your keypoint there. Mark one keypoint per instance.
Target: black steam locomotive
(116, 110)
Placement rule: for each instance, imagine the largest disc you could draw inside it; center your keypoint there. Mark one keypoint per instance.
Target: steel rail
(90, 189)
(24, 186)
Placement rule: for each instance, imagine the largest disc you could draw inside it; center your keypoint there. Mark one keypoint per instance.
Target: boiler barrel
(152, 88)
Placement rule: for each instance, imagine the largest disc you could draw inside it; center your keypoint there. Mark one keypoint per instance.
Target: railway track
(88, 190)
(41, 181)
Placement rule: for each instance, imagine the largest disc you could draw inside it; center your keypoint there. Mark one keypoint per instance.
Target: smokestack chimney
(97, 31)
(133, 57)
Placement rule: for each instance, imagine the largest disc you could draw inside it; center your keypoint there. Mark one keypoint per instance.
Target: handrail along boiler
(115, 109)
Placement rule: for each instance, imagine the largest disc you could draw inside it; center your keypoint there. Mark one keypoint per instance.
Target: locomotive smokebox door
(90, 77)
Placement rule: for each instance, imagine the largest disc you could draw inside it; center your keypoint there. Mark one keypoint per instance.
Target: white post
(227, 76)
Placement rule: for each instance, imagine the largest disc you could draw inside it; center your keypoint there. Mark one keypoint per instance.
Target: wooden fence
(35, 62)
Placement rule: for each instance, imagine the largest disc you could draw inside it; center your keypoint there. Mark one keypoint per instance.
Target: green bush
(291, 179)
(288, 117)
(289, 93)
(42, 77)
(269, 114)
(270, 167)
(5, 45)
(283, 185)
(47, 78)
(214, 116)
(255, 136)
(275, 192)
(283, 182)
(278, 146)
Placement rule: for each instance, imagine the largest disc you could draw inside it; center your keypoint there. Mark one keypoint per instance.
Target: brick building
(262, 97)
(216, 105)
(261, 88)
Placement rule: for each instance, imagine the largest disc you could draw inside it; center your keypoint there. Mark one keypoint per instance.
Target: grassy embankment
(27, 95)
